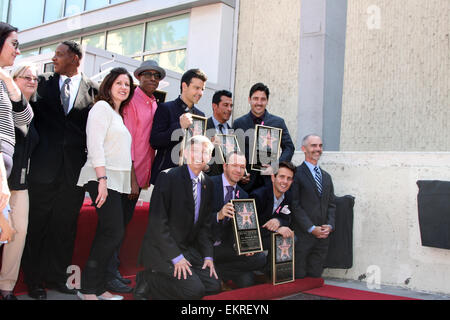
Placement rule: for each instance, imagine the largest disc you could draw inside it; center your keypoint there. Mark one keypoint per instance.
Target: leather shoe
(37, 292)
(115, 285)
(141, 290)
(61, 287)
(121, 278)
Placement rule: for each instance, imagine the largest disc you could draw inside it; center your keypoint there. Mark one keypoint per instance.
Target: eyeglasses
(149, 75)
(29, 79)
(15, 44)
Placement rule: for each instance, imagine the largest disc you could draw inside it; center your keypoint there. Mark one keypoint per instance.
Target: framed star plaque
(246, 227)
(283, 249)
(197, 128)
(267, 147)
(226, 143)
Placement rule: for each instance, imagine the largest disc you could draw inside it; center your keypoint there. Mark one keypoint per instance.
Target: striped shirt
(12, 114)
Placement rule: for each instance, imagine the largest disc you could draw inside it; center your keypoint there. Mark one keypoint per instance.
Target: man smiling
(173, 115)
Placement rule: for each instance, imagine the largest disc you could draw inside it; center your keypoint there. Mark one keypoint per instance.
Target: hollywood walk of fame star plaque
(197, 128)
(246, 227)
(266, 147)
(227, 143)
(282, 259)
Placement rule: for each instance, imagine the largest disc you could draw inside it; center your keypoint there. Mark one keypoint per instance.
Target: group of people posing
(62, 135)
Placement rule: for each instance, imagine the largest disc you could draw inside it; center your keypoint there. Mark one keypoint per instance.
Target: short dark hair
(104, 92)
(288, 165)
(259, 87)
(191, 74)
(217, 97)
(5, 31)
(235, 152)
(74, 48)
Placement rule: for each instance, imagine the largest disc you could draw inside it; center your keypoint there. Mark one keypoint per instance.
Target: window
(4, 9)
(126, 41)
(18, 17)
(54, 10)
(166, 42)
(95, 40)
(43, 11)
(95, 4)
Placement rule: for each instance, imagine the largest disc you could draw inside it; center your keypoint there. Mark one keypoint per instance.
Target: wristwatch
(100, 178)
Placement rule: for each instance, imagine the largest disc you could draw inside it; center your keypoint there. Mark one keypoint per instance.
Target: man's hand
(321, 232)
(212, 271)
(185, 120)
(182, 267)
(272, 225)
(226, 212)
(286, 232)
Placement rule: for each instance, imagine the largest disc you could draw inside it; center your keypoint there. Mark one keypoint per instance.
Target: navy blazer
(165, 122)
(222, 230)
(264, 205)
(309, 207)
(171, 230)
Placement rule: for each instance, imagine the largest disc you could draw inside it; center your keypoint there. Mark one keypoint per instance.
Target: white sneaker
(113, 297)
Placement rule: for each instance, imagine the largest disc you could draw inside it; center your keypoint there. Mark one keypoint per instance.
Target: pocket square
(286, 210)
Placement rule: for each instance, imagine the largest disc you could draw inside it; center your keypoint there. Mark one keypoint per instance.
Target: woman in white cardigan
(106, 176)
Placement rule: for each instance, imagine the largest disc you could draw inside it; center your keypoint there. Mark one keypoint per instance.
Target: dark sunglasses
(149, 75)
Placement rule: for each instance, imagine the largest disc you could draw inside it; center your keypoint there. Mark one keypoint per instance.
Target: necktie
(195, 193)
(229, 194)
(65, 95)
(318, 179)
(228, 197)
(221, 128)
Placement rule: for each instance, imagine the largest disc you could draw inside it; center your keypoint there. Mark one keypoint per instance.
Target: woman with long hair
(106, 175)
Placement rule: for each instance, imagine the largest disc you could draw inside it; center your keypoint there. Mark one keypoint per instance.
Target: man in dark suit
(273, 204)
(63, 102)
(177, 250)
(313, 211)
(172, 117)
(222, 104)
(229, 264)
(258, 100)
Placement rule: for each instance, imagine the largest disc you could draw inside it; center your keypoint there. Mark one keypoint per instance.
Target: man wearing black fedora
(138, 118)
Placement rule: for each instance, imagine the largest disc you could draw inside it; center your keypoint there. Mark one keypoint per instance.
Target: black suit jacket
(222, 230)
(165, 122)
(216, 164)
(245, 123)
(171, 230)
(309, 208)
(62, 139)
(264, 205)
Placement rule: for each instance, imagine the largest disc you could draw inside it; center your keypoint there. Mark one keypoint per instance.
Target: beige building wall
(268, 52)
(397, 76)
(386, 231)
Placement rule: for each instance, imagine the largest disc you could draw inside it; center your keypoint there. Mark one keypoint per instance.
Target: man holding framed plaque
(175, 115)
(258, 115)
(177, 250)
(313, 211)
(273, 203)
(230, 265)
